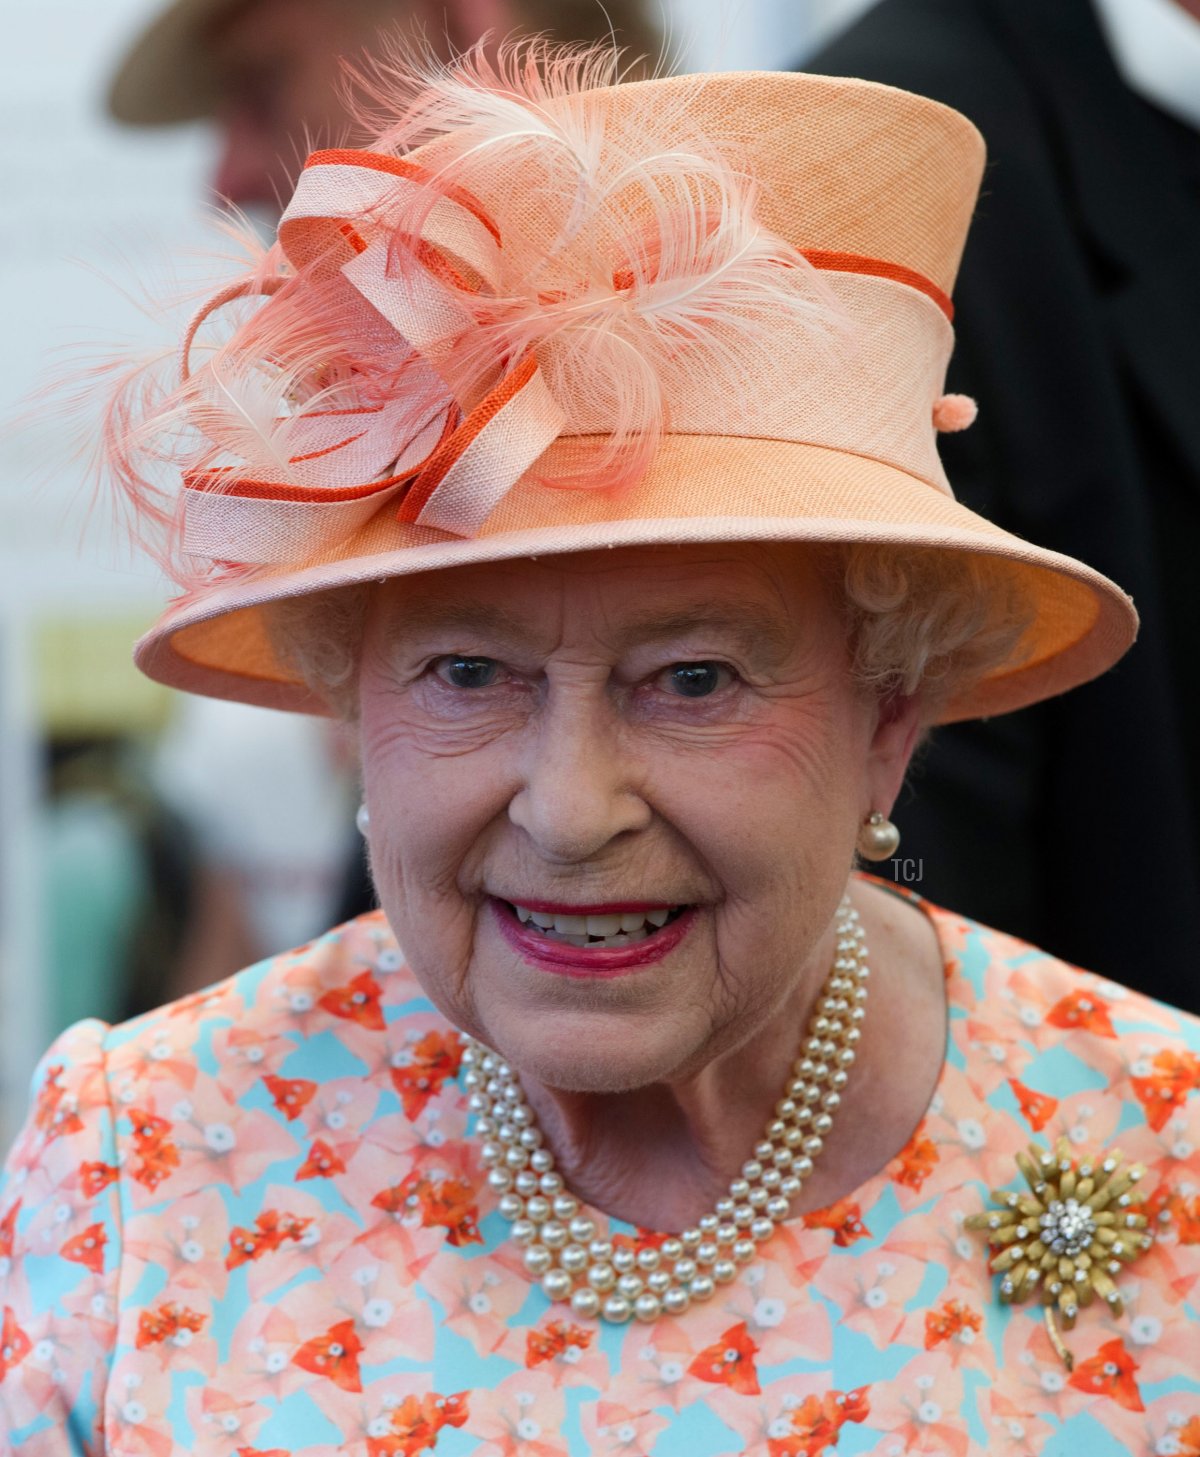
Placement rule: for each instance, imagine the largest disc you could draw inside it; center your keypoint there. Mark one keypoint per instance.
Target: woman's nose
(577, 793)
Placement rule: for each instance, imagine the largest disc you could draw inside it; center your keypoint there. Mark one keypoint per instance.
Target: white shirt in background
(264, 796)
(1156, 47)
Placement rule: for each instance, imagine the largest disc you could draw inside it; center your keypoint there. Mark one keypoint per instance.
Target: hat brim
(167, 75)
(771, 491)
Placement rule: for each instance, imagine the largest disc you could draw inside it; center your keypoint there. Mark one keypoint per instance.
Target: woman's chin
(590, 1051)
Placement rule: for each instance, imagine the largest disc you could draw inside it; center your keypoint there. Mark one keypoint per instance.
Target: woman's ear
(897, 730)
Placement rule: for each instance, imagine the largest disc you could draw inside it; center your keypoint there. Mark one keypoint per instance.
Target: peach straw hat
(545, 314)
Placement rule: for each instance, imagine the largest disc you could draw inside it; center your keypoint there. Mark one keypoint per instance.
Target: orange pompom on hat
(544, 313)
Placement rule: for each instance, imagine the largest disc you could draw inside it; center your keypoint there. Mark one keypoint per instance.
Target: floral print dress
(252, 1223)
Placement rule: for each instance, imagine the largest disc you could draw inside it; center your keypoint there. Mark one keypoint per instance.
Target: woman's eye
(462, 672)
(696, 680)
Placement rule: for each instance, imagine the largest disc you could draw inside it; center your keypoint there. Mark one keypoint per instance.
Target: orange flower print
(271, 1228)
(406, 1429)
(549, 1342)
(1036, 1108)
(729, 1361)
(156, 1326)
(322, 1162)
(148, 1128)
(446, 1202)
(333, 1355)
(1110, 1372)
(949, 1319)
(290, 1095)
(1163, 1086)
(53, 1113)
(420, 1069)
(1185, 1216)
(1165, 1208)
(855, 1405)
(396, 1201)
(916, 1160)
(1188, 1438)
(157, 1164)
(95, 1177)
(157, 1155)
(15, 1345)
(1082, 1011)
(450, 1203)
(817, 1423)
(844, 1218)
(358, 1002)
(413, 1425)
(8, 1230)
(87, 1248)
(453, 1408)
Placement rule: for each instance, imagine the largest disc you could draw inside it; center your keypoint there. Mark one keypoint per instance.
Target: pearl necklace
(617, 1284)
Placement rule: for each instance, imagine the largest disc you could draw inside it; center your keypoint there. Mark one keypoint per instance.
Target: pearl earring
(363, 820)
(878, 838)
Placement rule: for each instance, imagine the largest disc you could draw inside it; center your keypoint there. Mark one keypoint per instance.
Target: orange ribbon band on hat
(451, 464)
(880, 268)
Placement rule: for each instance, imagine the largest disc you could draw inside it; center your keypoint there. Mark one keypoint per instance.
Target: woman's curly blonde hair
(919, 622)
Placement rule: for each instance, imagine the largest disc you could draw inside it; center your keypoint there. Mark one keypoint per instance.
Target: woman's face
(665, 741)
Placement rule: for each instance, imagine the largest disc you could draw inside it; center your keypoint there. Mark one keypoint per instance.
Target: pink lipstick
(599, 962)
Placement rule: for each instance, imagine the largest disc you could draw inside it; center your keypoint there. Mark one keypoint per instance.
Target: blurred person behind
(1079, 304)
(268, 800)
(268, 74)
(117, 876)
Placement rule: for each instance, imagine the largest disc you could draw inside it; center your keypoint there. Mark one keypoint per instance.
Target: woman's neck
(661, 1156)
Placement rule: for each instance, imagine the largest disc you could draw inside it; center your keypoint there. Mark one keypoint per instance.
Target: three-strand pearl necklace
(596, 1278)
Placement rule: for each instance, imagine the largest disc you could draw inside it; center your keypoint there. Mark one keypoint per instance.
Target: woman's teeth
(616, 929)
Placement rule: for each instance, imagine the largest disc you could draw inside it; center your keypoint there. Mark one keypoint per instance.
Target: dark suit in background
(1075, 824)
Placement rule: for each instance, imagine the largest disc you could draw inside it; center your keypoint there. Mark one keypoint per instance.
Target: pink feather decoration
(629, 266)
(629, 261)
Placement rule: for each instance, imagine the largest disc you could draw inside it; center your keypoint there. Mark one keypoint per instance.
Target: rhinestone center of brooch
(1067, 1226)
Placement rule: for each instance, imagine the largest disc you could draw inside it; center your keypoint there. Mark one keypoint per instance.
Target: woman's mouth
(592, 940)
(607, 928)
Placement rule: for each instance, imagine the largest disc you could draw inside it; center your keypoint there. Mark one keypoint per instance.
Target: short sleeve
(60, 1251)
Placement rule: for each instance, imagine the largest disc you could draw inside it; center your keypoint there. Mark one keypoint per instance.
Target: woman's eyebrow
(470, 619)
(756, 631)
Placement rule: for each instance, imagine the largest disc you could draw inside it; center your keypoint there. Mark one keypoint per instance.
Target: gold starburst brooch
(1069, 1236)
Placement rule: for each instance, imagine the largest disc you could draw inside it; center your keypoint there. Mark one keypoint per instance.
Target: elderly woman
(577, 443)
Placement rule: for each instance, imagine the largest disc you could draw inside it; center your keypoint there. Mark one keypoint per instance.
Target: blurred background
(150, 845)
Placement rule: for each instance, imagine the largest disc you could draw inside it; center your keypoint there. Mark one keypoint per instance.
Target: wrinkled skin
(577, 763)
